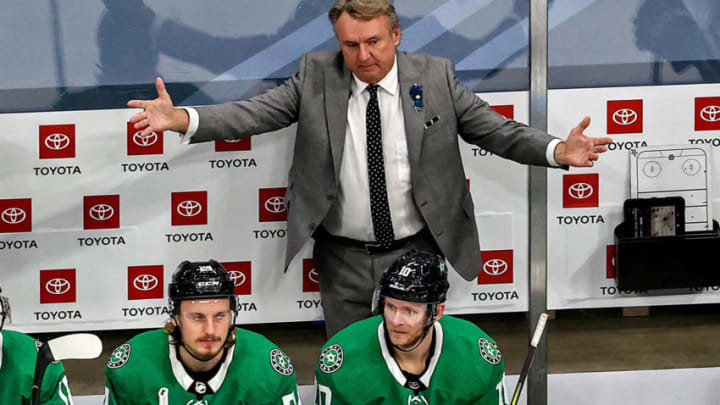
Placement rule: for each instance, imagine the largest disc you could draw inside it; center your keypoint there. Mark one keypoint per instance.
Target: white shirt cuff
(194, 121)
(549, 152)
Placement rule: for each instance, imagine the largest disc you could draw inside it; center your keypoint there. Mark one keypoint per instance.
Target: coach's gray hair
(364, 10)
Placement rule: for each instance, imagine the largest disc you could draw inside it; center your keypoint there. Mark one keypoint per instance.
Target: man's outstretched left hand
(580, 150)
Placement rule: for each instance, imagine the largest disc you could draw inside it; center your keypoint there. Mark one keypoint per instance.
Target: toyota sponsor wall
(94, 218)
(585, 205)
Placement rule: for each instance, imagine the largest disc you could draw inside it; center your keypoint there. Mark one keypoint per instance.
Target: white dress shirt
(350, 214)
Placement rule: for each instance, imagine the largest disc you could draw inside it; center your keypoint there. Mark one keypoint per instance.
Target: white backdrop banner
(94, 218)
(585, 205)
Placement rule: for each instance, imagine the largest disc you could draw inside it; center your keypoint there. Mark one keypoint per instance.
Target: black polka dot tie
(379, 208)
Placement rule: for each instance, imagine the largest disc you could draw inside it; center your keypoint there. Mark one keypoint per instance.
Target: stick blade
(80, 346)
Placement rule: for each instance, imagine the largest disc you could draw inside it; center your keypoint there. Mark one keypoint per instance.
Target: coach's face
(367, 45)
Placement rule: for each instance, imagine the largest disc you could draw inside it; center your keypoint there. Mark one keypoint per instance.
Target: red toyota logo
(57, 286)
(139, 144)
(311, 278)
(275, 205)
(145, 282)
(497, 267)
(707, 113)
(272, 204)
(624, 116)
(15, 215)
(144, 140)
(241, 275)
(101, 212)
(57, 141)
(189, 208)
(580, 190)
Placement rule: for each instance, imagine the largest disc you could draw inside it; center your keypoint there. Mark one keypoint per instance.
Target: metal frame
(537, 378)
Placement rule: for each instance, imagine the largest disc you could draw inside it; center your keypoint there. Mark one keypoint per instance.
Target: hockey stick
(75, 346)
(539, 329)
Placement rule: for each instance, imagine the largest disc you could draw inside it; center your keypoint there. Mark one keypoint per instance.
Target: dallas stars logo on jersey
(331, 359)
(489, 351)
(281, 362)
(119, 356)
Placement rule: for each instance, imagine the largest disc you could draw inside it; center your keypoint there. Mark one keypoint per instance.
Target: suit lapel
(337, 93)
(408, 76)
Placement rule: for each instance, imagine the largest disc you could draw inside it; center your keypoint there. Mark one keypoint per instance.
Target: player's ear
(170, 325)
(440, 311)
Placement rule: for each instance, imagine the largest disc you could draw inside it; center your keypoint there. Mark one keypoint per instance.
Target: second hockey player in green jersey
(411, 354)
(200, 358)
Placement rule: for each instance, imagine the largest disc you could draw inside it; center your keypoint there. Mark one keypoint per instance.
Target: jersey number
(323, 395)
(290, 399)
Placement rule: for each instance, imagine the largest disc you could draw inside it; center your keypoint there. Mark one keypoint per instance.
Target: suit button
(330, 197)
(312, 226)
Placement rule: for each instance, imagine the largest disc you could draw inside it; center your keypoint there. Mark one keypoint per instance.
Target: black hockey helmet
(5, 313)
(198, 280)
(416, 276)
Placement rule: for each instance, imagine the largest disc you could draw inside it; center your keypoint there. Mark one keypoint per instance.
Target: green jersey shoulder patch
(490, 351)
(281, 362)
(119, 356)
(331, 359)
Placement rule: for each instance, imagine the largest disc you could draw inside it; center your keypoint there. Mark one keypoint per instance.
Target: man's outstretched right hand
(159, 114)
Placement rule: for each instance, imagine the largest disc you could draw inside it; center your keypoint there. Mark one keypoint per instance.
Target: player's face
(204, 326)
(367, 45)
(405, 322)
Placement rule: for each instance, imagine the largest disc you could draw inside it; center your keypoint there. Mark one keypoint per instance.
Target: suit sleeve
(480, 125)
(55, 389)
(270, 111)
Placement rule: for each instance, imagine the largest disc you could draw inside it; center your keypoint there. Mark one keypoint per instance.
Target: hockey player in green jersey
(411, 354)
(200, 358)
(18, 354)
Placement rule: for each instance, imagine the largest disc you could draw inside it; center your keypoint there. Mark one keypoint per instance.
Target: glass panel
(597, 43)
(69, 55)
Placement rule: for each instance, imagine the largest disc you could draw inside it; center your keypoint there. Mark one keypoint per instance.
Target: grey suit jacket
(317, 98)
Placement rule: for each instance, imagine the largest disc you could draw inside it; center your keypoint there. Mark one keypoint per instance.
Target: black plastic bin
(666, 262)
